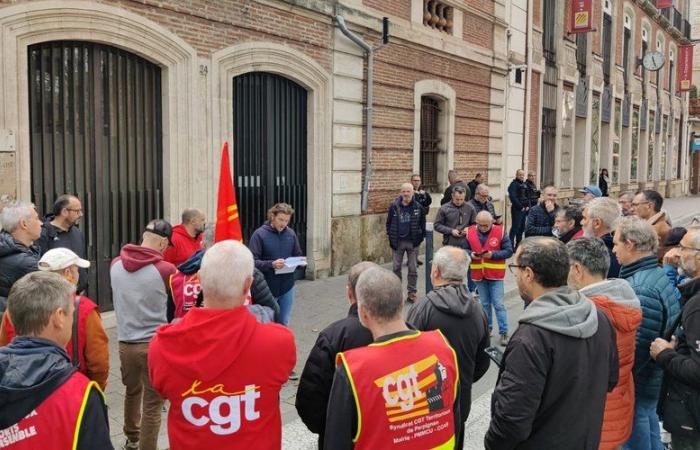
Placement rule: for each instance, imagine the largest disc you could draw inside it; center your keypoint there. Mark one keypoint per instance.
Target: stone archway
(31, 23)
(302, 69)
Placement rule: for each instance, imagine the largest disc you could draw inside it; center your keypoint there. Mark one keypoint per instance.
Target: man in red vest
(400, 391)
(222, 370)
(88, 347)
(46, 403)
(489, 252)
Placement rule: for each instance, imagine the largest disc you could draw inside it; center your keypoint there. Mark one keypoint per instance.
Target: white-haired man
(21, 227)
(636, 246)
(600, 217)
(222, 370)
(405, 227)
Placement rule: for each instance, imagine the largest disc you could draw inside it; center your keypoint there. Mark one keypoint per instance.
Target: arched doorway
(96, 131)
(270, 149)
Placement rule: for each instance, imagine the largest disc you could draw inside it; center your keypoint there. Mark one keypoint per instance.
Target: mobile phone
(495, 354)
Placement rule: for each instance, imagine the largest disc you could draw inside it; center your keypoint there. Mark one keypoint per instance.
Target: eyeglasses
(510, 267)
(79, 210)
(683, 247)
(640, 203)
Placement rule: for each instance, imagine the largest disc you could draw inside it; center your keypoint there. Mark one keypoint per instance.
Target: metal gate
(429, 141)
(95, 131)
(269, 151)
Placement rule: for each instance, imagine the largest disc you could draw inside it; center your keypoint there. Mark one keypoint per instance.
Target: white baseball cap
(61, 258)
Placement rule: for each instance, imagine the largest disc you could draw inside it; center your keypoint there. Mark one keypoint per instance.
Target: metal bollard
(428, 255)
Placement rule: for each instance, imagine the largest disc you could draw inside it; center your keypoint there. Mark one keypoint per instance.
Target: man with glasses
(560, 363)
(680, 358)
(625, 201)
(647, 205)
(60, 229)
(489, 250)
(482, 202)
(423, 198)
(452, 221)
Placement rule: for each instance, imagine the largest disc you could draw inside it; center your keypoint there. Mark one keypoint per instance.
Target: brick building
(126, 103)
(599, 108)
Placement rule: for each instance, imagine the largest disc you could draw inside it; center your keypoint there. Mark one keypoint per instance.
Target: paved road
(318, 303)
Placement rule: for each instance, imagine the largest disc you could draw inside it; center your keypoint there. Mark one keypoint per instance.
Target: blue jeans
(491, 294)
(646, 434)
(470, 283)
(286, 301)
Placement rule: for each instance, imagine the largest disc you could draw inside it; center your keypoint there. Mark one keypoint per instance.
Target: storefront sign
(581, 16)
(685, 67)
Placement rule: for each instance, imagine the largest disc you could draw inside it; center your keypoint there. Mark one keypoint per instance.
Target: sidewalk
(317, 304)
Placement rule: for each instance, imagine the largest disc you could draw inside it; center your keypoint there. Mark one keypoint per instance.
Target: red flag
(228, 225)
(581, 16)
(685, 67)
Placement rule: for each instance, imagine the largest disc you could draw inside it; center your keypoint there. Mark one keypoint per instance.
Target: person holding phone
(452, 220)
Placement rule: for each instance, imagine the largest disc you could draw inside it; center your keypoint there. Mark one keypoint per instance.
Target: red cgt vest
(405, 390)
(85, 307)
(186, 289)
(484, 268)
(55, 423)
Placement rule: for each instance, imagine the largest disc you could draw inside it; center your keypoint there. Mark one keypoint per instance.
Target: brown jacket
(658, 221)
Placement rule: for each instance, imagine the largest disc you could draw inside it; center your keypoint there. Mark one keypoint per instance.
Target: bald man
(187, 237)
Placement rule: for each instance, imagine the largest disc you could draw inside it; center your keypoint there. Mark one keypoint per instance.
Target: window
(607, 45)
(635, 144)
(548, 23)
(429, 140)
(626, 49)
(616, 142)
(650, 150)
(670, 72)
(659, 73)
(438, 15)
(662, 159)
(595, 139)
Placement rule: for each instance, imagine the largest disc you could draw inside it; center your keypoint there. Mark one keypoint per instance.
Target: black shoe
(293, 376)
(420, 263)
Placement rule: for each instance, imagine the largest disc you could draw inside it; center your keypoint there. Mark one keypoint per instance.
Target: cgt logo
(223, 412)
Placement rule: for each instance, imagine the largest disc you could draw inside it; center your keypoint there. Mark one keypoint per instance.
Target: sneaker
(129, 445)
(293, 376)
(504, 340)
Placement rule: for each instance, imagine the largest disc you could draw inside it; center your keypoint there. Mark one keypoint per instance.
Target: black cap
(160, 227)
(674, 236)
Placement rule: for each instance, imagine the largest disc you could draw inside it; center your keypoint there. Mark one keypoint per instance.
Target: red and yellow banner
(228, 225)
(661, 4)
(685, 67)
(581, 16)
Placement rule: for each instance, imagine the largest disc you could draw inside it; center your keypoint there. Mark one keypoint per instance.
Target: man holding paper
(277, 254)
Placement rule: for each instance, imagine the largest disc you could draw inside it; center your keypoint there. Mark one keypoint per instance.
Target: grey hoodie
(616, 289)
(563, 311)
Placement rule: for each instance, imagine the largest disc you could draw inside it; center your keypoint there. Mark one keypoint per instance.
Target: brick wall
(398, 8)
(597, 36)
(396, 71)
(477, 30)
(537, 13)
(534, 122)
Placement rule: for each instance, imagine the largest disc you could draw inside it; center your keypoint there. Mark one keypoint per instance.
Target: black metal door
(95, 114)
(269, 149)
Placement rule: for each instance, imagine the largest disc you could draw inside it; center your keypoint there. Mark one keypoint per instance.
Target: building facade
(127, 104)
(598, 108)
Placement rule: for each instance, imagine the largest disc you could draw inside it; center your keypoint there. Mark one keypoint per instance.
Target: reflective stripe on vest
(55, 423)
(404, 390)
(490, 269)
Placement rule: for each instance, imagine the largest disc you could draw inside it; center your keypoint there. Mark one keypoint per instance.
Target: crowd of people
(608, 338)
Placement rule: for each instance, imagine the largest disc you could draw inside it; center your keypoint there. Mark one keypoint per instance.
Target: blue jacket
(267, 244)
(417, 226)
(661, 304)
(505, 252)
(539, 221)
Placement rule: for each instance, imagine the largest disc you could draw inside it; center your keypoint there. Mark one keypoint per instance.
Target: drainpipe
(528, 88)
(369, 51)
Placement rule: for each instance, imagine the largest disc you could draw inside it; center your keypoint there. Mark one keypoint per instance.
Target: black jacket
(452, 310)
(450, 217)
(614, 270)
(532, 195)
(16, 260)
(603, 185)
(517, 192)
(317, 377)
(488, 206)
(472, 187)
(557, 370)
(424, 200)
(447, 196)
(417, 226)
(31, 369)
(341, 417)
(683, 364)
(73, 239)
(539, 221)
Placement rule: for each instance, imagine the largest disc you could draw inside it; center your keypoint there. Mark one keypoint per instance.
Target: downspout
(528, 89)
(369, 51)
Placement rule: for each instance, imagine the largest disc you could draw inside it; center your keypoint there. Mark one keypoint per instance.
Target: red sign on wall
(685, 67)
(661, 4)
(581, 16)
